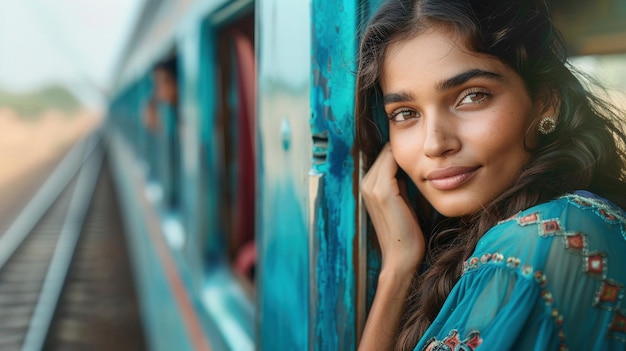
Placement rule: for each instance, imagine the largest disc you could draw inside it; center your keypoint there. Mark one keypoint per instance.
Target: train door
(313, 265)
(147, 113)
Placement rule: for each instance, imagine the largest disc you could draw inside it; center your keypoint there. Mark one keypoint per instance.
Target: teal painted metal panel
(334, 236)
(284, 161)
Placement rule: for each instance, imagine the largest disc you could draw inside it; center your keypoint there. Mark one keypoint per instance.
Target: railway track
(36, 254)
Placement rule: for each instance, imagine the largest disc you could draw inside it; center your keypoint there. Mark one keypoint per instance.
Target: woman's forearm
(381, 327)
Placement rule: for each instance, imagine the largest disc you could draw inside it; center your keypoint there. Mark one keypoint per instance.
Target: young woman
(514, 239)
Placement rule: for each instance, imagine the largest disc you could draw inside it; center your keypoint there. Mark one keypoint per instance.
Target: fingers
(385, 164)
(380, 181)
(397, 228)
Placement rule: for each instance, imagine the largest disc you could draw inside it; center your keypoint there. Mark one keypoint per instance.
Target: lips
(451, 177)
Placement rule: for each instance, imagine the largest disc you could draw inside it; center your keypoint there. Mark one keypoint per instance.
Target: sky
(75, 42)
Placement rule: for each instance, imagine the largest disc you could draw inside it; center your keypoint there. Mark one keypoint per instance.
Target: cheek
(506, 148)
(402, 147)
(161, 93)
(504, 131)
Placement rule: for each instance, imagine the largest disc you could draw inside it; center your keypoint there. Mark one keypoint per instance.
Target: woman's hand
(399, 235)
(402, 246)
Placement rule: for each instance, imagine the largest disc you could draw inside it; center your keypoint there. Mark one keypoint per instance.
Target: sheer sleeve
(495, 305)
(540, 281)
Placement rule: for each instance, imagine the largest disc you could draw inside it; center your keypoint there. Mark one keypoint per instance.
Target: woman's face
(457, 120)
(165, 86)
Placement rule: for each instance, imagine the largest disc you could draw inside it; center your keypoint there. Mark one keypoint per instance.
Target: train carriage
(242, 207)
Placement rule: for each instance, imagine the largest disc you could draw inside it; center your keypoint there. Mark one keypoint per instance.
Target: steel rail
(54, 185)
(66, 244)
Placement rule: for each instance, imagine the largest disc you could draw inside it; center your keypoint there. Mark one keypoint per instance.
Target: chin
(453, 206)
(455, 212)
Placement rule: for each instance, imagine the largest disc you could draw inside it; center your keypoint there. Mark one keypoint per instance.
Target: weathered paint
(334, 288)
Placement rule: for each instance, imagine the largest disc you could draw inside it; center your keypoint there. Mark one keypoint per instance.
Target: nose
(440, 136)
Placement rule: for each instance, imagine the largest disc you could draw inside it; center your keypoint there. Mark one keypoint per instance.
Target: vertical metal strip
(361, 289)
(316, 192)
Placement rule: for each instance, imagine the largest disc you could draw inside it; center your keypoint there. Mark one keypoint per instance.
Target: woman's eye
(474, 98)
(402, 114)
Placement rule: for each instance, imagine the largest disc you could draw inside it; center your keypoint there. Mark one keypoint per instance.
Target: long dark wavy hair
(585, 152)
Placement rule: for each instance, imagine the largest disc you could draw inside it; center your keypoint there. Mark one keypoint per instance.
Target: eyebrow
(449, 83)
(397, 97)
(465, 77)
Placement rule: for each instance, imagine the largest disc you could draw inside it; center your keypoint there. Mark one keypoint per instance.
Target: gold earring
(547, 125)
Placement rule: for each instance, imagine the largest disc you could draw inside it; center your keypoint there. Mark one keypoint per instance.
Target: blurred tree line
(31, 104)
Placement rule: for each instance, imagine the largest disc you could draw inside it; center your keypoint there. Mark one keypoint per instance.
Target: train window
(148, 116)
(236, 119)
(162, 121)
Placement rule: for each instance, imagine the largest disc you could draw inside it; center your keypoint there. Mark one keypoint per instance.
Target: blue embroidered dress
(551, 278)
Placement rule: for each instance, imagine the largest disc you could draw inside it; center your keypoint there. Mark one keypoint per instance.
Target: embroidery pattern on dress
(528, 272)
(452, 342)
(610, 293)
(605, 211)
